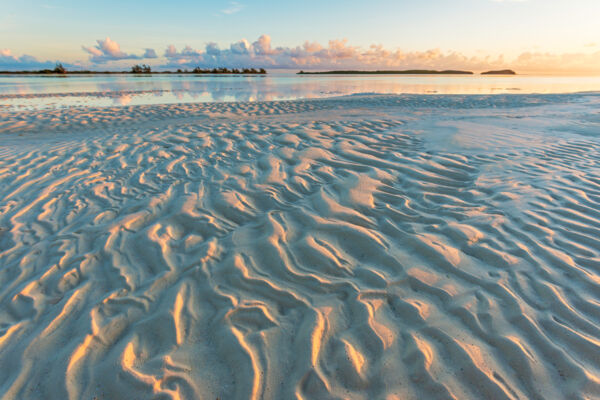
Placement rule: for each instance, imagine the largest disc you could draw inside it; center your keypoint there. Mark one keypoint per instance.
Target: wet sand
(361, 247)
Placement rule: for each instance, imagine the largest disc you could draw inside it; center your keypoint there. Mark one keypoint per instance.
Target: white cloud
(109, 50)
(241, 47)
(150, 53)
(233, 8)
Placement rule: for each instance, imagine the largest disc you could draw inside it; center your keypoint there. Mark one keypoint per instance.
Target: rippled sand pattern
(367, 247)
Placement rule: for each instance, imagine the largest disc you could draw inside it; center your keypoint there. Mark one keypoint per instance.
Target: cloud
(212, 49)
(10, 62)
(339, 54)
(263, 45)
(187, 53)
(566, 62)
(109, 50)
(232, 8)
(241, 47)
(336, 55)
(150, 53)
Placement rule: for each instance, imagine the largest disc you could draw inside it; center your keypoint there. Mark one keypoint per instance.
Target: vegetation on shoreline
(244, 71)
(500, 72)
(140, 69)
(58, 69)
(390, 72)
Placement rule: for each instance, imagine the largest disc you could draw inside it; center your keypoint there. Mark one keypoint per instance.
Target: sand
(362, 247)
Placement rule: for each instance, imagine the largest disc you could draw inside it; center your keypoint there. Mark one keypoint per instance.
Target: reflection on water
(32, 92)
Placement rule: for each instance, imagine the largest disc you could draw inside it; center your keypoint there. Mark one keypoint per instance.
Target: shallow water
(50, 92)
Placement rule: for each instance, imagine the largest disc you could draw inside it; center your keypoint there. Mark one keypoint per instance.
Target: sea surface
(51, 92)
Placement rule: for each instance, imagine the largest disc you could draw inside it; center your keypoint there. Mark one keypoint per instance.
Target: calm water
(33, 92)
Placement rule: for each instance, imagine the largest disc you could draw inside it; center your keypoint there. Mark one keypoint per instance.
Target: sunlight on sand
(361, 247)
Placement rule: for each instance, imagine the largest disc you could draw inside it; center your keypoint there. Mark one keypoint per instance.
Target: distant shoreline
(60, 70)
(500, 72)
(260, 72)
(126, 73)
(389, 72)
(407, 72)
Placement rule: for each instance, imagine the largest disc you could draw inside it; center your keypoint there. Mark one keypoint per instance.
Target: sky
(538, 36)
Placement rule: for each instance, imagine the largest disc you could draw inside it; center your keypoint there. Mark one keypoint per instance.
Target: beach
(353, 247)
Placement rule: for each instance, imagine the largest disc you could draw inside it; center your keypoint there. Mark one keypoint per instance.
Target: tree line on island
(199, 70)
(145, 69)
(59, 69)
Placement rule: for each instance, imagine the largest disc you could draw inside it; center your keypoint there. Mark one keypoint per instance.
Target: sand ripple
(364, 247)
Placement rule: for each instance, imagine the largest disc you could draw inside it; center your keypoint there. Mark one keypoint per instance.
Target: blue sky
(59, 29)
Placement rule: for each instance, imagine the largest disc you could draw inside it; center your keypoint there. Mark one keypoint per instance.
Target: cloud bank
(10, 62)
(109, 50)
(339, 54)
(311, 55)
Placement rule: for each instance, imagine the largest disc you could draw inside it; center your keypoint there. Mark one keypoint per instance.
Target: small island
(500, 72)
(137, 69)
(233, 71)
(389, 72)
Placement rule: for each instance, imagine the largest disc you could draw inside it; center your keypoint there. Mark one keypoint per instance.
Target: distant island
(500, 72)
(391, 72)
(234, 71)
(140, 69)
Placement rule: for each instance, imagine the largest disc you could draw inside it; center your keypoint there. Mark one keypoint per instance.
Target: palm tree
(59, 69)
